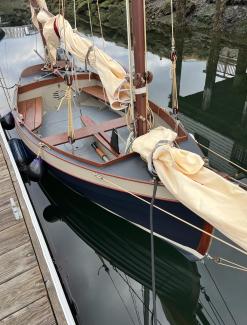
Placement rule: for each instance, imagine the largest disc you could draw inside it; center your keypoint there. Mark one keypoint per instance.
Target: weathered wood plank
(6, 187)
(20, 237)
(20, 292)
(7, 218)
(13, 237)
(17, 261)
(37, 313)
(4, 199)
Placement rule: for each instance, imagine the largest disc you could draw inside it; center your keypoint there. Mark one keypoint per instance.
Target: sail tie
(55, 28)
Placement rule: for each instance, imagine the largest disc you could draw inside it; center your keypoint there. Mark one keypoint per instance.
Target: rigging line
(212, 307)
(207, 312)
(232, 267)
(91, 27)
(116, 288)
(238, 181)
(215, 313)
(64, 33)
(218, 260)
(147, 307)
(152, 249)
(219, 155)
(130, 61)
(8, 87)
(134, 302)
(173, 215)
(75, 24)
(219, 292)
(172, 25)
(6, 92)
(100, 23)
(149, 114)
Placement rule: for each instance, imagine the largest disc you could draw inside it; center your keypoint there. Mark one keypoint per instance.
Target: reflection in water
(127, 249)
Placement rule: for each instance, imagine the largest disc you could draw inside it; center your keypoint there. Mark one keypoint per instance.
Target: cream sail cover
(213, 198)
(112, 74)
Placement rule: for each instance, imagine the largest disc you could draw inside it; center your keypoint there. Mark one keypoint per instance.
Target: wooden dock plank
(17, 261)
(7, 218)
(13, 237)
(37, 313)
(5, 199)
(21, 291)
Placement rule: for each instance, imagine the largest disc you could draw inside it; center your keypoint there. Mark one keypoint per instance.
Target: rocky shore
(199, 14)
(193, 14)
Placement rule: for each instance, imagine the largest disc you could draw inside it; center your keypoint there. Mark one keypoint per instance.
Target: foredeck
(27, 293)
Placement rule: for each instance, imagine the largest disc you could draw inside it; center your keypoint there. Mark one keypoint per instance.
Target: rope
(74, 7)
(130, 116)
(100, 23)
(227, 263)
(150, 116)
(173, 67)
(91, 27)
(220, 294)
(152, 249)
(134, 302)
(173, 215)
(5, 89)
(172, 24)
(68, 96)
(147, 307)
(219, 155)
(207, 312)
(64, 34)
(116, 288)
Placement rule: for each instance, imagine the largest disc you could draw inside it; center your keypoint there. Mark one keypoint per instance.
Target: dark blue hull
(137, 212)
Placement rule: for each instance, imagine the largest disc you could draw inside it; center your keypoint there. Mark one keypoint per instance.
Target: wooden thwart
(102, 137)
(85, 132)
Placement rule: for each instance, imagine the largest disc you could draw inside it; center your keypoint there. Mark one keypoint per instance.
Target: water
(104, 262)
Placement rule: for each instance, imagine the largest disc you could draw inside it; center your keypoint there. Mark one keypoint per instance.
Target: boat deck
(27, 293)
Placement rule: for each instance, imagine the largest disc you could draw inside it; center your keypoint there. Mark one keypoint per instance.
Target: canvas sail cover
(215, 199)
(57, 31)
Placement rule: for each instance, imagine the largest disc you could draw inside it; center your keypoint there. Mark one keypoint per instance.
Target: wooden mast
(138, 31)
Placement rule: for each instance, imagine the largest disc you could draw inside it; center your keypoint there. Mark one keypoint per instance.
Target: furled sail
(215, 199)
(57, 31)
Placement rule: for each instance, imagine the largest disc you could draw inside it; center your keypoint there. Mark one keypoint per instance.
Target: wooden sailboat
(85, 155)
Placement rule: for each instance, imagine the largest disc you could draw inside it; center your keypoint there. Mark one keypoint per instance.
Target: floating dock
(30, 289)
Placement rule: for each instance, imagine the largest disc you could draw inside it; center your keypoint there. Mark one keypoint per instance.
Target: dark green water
(104, 262)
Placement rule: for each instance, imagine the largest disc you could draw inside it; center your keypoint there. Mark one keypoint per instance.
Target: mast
(139, 37)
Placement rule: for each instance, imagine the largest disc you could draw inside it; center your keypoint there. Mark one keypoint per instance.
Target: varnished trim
(205, 240)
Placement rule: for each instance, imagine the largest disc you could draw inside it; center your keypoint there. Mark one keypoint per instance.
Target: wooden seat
(86, 131)
(102, 137)
(31, 111)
